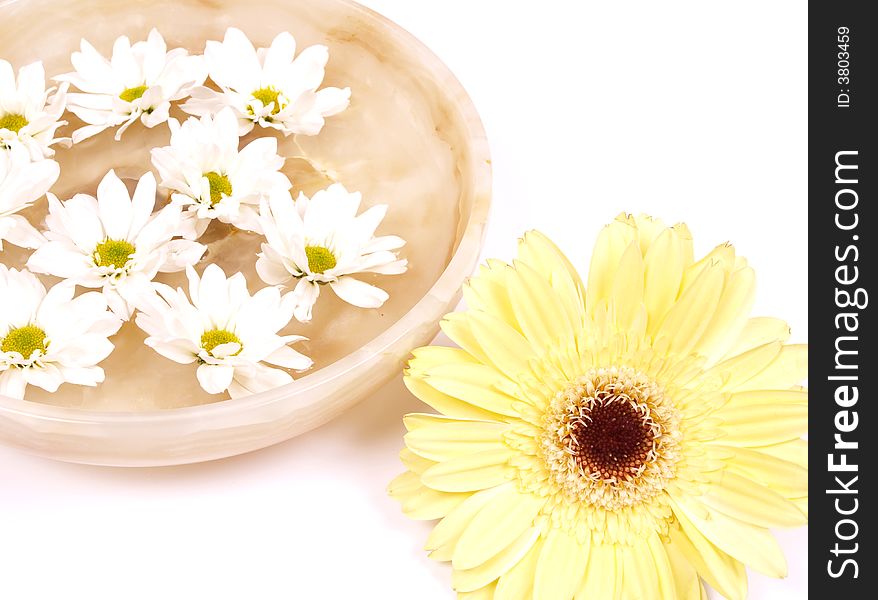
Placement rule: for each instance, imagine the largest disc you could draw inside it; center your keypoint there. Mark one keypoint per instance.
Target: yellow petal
(663, 271)
(495, 527)
(518, 582)
(487, 291)
(538, 251)
(734, 371)
(685, 237)
(638, 572)
(413, 462)
(731, 314)
(750, 426)
(722, 257)
(648, 230)
(611, 244)
(690, 315)
(794, 451)
(787, 478)
(599, 580)
(426, 357)
(626, 293)
(505, 347)
(655, 550)
(420, 502)
(444, 536)
(537, 307)
(686, 582)
(473, 579)
(560, 567)
(447, 438)
(722, 572)
(789, 368)
(486, 593)
(470, 472)
(479, 385)
(444, 403)
(757, 332)
(457, 327)
(753, 546)
(751, 502)
(801, 504)
(765, 397)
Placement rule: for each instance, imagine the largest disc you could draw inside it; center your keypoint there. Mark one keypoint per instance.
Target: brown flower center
(612, 438)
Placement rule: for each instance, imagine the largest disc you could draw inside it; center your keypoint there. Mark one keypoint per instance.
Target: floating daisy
(47, 339)
(29, 113)
(268, 86)
(210, 179)
(224, 329)
(627, 439)
(114, 242)
(322, 241)
(139, 82)
(22, 182)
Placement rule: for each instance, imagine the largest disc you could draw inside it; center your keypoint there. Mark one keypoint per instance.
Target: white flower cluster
(118, 242)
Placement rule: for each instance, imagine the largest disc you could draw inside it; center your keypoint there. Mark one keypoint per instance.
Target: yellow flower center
(219, 186)
(320, 259)
(216, 337)
(24, 340)
(132, 94)
(611, 438)
(13, 122)
(113, 253)
(267, 95)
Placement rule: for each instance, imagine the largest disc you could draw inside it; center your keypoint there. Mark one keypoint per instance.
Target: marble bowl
(411, 139)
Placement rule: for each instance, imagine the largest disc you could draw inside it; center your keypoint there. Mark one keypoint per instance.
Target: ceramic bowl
(410, 139)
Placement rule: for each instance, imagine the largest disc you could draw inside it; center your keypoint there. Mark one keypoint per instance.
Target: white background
(690, 111)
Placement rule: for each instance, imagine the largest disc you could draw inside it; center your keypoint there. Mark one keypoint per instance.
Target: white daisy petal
(270, 268)
(142, 203)
(353, 291)
(88, 376)
(305, 295)
(13, 383)
(289, 358)
(261, 379)
(114, 206)
(21, 233)
(60, 259)
(215, 379)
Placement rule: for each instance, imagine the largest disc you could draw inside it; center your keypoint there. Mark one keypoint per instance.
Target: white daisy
(29, 113)
(228, 332)
(268, 86)
(22, 182)
(211, 179)
(47, 339)
(139, 82)
(321, 241)
(114, 242)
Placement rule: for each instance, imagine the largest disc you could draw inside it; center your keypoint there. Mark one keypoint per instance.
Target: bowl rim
(444, 289)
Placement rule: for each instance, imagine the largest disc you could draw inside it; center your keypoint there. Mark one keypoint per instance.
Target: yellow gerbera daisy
(624, 440)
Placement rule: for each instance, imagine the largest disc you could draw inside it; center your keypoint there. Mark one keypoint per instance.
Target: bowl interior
(400, 143)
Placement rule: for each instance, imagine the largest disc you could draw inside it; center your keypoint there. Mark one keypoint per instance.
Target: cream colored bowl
(410, 139)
